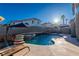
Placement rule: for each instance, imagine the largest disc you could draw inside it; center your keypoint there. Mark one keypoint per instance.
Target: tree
(66, 21)
(63, 17)
(74, 8)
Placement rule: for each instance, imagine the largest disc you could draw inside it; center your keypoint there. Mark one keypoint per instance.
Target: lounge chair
(11, 51)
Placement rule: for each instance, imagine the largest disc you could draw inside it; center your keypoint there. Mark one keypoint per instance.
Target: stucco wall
(65, 30)
(77, 25)
(72, 27)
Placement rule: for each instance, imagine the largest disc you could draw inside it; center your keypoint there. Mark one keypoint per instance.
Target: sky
(46, 12)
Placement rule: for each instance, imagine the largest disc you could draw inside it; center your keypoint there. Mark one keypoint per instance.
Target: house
(33, 25)
(30, 21)
(77, 25)
(75, 9)
(72, 27)
(64, 29)
(47, 24)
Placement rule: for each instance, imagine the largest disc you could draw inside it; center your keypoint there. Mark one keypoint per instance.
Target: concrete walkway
(60, 48)
(72, 40)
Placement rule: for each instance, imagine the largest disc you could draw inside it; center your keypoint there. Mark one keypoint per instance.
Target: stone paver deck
(60, 48)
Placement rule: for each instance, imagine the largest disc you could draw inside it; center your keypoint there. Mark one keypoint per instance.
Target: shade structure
(16, 29)
(18, 25)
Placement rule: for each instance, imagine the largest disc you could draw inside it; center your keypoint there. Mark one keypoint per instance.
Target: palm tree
(63, 17)
(74, 8)
(66, 21)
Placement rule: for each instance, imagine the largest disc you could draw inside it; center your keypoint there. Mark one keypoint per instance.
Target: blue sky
(43, 11)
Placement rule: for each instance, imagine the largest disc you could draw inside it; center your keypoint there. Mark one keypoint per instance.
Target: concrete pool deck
(60, 48)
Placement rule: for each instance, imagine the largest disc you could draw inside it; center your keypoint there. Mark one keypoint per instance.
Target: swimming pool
(43, 39)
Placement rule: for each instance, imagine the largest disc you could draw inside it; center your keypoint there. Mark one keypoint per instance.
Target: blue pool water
(44, 39)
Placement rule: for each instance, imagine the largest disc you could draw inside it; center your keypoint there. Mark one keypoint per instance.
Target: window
(32, 21)
(26, 23)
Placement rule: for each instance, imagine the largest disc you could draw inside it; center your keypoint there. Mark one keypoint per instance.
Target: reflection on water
(44, 39)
